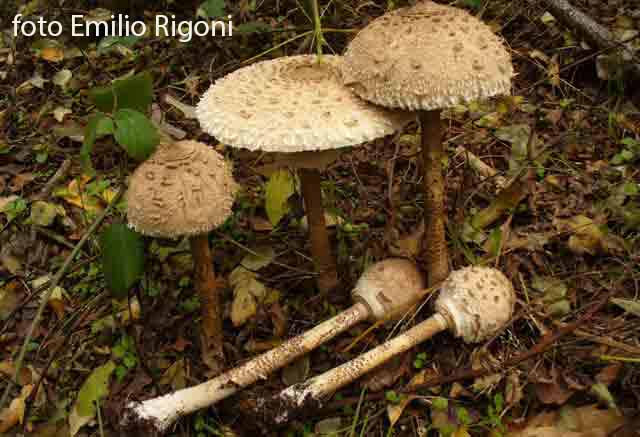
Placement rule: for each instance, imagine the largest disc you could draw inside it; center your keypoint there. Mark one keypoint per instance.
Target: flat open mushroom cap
(292, 104)
(184, 188)
(478, 301)
(428, 56)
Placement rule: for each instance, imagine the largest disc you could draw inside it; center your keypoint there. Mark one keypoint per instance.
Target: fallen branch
(483, 169)
(594, 33)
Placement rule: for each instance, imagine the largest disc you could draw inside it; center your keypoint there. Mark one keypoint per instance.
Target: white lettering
(184, 36)
(76, 25)
(138, 28)
(161, 23)
(25, 32)
(16, 24)
(55, 28)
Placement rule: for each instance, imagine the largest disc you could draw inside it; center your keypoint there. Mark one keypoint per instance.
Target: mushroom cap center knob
(477, 301)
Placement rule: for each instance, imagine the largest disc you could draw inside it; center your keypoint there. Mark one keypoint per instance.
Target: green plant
(420, 360)
(124, 352)
(121, 108)
(629, 154)
(495, 410)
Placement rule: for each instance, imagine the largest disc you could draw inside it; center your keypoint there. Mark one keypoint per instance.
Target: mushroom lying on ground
(426, 58)
(187, 189)
(296, 106)
(474, 303)
(386, 290)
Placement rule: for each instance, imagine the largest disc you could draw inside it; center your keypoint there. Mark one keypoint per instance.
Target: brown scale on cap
(184, 188)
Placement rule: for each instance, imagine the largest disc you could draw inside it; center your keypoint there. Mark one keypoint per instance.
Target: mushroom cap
(390, 287)
(425, 57)
(292, 104)
(477, 302)
(184, 188)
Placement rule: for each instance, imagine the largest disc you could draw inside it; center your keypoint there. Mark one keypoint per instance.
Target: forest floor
(571, 246)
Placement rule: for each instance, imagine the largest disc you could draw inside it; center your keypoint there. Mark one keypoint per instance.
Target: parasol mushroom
(187, 189)
(296, 106)
(426, 58)
(474, 303)
(387, 289)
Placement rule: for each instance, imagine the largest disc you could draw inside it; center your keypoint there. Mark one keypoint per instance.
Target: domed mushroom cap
(292, 104)
(184, 188)
(428, 56)
(478, 301)
(390, 287)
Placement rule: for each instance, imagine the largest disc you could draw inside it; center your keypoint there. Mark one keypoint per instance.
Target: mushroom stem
(437, 258)
(320, 248)
(385, 289)
(159, 413)
(312, 392)
(208, 290)
(474, 303)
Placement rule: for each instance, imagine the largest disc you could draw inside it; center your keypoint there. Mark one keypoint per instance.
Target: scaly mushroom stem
(385, 289)
(474, 303)
(320, 248)
(312, 392)
(208, 290)
(437, 258)
(159, 413)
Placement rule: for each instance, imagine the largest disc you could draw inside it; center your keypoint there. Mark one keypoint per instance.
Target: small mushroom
(187, 189)
(296, 106)
(474, 303)
(385, 290)
(436, 57)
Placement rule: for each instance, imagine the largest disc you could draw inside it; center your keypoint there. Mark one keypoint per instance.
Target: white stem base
(159, 413)
(323, 385)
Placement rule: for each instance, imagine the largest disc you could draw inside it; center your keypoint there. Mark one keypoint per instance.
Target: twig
(54, 283)
(57, 176)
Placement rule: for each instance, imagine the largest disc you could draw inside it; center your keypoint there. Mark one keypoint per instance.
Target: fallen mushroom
(299, 107)
(474, 303)
(426, 58)
(386, 290)
(187, 189)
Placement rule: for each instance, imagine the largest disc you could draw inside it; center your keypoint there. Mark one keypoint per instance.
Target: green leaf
(13, 208)
(392, 396)
(252, 27)
(95, 387)
(109, 42)
(90, 136)
(135, 133)
(212, 8)
(122, 258)
(133, 92)
(279, 188)
(440, 403)
(629, 305)
(474, 4)
(495, 241)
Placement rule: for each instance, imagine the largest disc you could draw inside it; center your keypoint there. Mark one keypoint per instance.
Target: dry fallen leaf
(52, 54)
(14, 414)
(587, 421)
(394, 411)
